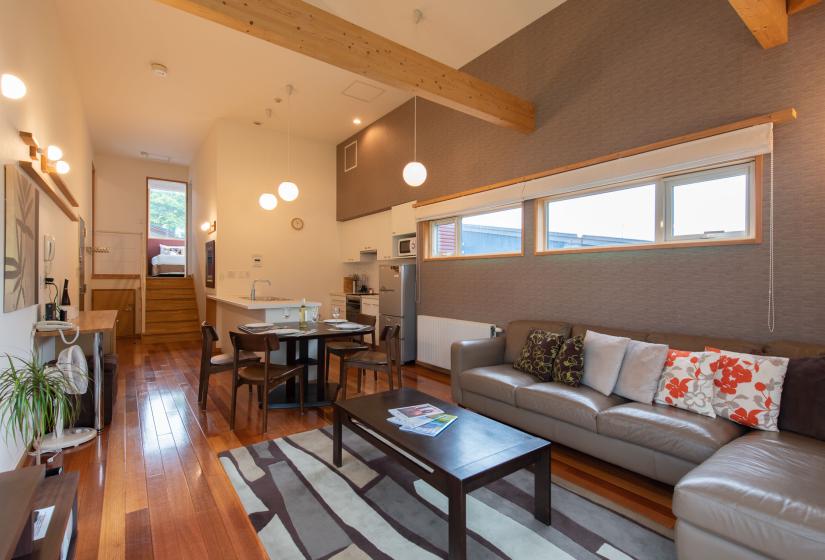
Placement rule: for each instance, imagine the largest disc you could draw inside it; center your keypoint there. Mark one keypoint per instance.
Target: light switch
(257, 261)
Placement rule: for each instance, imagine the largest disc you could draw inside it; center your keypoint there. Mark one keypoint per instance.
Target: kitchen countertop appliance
(396, 304)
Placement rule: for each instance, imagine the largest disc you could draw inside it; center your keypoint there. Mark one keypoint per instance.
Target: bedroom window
(711, 206)
(495, 233)
(167, 209)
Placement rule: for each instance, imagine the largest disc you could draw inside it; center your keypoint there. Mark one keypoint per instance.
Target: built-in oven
(353, 307)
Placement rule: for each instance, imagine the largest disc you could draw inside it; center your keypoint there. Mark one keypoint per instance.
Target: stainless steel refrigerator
(396, 304)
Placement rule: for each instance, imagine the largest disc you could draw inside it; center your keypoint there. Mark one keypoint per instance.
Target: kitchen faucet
(252, 292)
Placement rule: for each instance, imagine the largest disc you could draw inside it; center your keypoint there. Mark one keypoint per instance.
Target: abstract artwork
(20, 273)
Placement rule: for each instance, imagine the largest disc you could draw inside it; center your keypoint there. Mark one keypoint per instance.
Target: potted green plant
(34, 397)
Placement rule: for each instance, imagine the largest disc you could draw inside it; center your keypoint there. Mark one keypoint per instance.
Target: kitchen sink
(265, 298)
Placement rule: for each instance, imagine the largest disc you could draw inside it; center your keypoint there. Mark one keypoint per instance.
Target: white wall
(203, 179)
(120, 205)
(31, 47)
(246, 161)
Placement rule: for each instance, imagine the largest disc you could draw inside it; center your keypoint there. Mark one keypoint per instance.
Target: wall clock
(297, 224)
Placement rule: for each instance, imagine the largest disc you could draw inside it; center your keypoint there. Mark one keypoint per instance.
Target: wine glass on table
(286, 314)
(336, 312)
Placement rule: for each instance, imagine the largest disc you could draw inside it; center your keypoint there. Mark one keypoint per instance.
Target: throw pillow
(687, 382)
(803, 398)
(603, 356)
(641, 370)
(568, 367)
(748, 388)
(538, 353)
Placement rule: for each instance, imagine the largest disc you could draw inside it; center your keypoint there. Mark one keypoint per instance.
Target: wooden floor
(152, 487)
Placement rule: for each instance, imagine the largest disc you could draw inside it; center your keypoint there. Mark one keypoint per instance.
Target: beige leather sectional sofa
(739, 493)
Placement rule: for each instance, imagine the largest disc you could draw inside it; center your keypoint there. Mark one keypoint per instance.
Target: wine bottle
(65, 301)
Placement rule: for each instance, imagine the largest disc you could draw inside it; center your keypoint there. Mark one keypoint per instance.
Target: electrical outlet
(243, 274)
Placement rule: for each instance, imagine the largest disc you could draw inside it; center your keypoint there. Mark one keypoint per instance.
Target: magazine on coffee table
(434, 426)
(415, 415)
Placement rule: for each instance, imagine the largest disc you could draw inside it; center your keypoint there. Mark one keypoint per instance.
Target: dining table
(321, 391)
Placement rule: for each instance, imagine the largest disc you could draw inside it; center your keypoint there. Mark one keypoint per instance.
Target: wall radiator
(437, 334)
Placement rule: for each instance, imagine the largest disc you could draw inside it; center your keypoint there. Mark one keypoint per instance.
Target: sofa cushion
(574, 405)
(698, 343)
(794, 349)
(538, 354)
(803, 398)
(517, 335)
(687, 382)
(581, 330)
(676, 432)
(496, 382)
(641, 369)
(765, 491)
(603, 355)
(568, 367)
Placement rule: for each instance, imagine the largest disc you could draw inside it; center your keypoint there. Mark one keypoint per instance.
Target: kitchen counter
(261, 303)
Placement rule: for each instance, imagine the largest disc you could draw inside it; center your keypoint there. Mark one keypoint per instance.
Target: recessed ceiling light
(356, 120)
(159, 69)
(12, 86)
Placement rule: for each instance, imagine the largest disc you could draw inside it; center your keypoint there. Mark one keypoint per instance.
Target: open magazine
(423, 419)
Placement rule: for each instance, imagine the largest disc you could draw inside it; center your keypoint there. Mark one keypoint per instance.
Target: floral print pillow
(687, 382)
(568, 367)
(538, 353)
(747, 388)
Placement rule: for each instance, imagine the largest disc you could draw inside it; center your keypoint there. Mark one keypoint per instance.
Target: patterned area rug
(303, 507)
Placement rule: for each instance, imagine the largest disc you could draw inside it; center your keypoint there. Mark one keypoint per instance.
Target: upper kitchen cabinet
(367, 236)
(403, 219)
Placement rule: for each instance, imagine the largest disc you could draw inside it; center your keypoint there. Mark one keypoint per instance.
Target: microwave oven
(406, 247)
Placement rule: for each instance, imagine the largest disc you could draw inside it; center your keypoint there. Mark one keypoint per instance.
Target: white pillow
(172, 249)
(603, 356)
(641, 369)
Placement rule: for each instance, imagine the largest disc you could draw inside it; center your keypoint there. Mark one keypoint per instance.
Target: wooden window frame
(664, 239)
(428, 237)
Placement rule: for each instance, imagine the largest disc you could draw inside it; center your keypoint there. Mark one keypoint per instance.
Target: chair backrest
(209, 337)
(364, 319)
(390, 337)
(254, 342)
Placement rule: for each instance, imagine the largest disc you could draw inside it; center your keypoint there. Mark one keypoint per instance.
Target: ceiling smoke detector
(159, 70)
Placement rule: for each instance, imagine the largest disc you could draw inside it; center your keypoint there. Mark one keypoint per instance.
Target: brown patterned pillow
(568, 367)
(538, 353)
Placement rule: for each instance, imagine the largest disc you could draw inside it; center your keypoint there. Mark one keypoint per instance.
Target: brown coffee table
(470, 453)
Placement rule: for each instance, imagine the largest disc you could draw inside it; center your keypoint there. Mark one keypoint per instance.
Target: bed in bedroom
(170, 262)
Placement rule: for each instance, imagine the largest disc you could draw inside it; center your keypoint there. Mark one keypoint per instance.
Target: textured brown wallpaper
(612, 75)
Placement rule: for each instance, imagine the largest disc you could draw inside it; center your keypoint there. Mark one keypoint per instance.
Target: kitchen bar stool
(342, 348)
(215, 363)
(266, 376)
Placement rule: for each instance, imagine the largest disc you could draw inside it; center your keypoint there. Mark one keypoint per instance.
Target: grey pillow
(602, 360)
(641, 370)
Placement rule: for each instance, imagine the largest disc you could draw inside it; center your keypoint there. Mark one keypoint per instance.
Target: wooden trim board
(48, 189)
(58, 180)
(777, 117)
(306, 29)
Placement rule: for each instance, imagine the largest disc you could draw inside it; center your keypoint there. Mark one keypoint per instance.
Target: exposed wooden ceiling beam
(303, 28)
(768, 19)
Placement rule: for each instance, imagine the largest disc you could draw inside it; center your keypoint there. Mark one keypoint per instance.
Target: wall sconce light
(62, 167)
(54, 153)
(209, 227)
(12, 87)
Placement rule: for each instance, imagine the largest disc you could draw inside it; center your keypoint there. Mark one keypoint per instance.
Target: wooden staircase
(171, 310)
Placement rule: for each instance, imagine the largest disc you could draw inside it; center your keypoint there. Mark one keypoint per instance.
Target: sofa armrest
(468, 354)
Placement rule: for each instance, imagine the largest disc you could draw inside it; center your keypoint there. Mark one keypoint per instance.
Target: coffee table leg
(457, 520)
(542, 487)
(336, 437)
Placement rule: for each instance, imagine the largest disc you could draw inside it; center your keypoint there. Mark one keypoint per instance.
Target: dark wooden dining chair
(375, 360)
(215, 363)
(266, 375)
(356, 343)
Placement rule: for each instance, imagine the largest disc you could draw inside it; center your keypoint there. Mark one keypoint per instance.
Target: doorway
(166, 226)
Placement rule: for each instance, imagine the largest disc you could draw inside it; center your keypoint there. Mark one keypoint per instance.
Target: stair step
(171, 304)
(185, 282)
(161, 315)
(166, 293)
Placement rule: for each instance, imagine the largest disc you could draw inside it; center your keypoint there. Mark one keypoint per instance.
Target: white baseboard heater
(437, 334)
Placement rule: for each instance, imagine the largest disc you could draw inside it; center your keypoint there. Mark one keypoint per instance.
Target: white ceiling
(216, 72)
